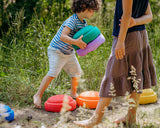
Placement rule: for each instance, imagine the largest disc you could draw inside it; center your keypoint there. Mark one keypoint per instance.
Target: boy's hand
(132, 22)
(80, 43)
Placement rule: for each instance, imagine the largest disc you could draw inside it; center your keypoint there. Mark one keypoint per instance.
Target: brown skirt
(134, 72)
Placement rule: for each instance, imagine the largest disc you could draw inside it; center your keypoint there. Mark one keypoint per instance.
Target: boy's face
(88, 13)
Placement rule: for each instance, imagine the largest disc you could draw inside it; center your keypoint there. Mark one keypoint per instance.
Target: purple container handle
(93, 45)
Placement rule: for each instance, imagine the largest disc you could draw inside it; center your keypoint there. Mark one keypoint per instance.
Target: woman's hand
(120, 50)
(80, 43)
(132, 22)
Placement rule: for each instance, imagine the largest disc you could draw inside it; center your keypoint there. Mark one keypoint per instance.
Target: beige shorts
(59, 61)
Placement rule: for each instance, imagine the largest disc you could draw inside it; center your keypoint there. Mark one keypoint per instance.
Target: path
(148, 115)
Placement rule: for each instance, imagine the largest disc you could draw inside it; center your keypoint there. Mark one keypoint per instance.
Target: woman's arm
(146, 18)
(65, 38)
(126, 17)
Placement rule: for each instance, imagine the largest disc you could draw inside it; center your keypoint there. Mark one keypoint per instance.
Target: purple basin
(93, 45)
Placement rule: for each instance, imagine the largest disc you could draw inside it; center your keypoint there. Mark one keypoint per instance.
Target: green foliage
(9, 10)
(153, 32)
(23, 49)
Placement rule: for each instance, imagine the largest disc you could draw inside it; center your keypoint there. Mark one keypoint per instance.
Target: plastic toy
(88, 99)
(148, 96)
(6, 112)
(57, 102)
(93, 45)
(89, 34)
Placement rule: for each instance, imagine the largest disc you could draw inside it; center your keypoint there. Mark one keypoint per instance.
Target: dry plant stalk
(133, 78)
(112, 90)
(65, 106)
(64, 114)
(135, 81)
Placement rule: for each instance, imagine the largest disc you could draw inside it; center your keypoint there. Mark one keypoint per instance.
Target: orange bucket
(88, 99)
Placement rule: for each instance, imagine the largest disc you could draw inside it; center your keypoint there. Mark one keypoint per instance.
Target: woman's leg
(44, 84)
(74, 84)
(97, 117)
(130, 118)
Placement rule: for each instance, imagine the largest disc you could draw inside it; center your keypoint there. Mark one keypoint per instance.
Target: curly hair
(81, 5)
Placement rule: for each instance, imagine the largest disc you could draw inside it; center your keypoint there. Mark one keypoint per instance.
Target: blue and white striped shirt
(75, 24)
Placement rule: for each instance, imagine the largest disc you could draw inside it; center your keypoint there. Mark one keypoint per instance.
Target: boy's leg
(97, 117)
(130, 118)
(44, 84)
(73, 68)
(74, 84)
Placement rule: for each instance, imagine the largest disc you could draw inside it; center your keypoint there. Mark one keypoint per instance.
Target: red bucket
(58, 102)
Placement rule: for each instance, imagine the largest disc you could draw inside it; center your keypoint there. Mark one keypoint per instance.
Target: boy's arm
(65, 38)
(146, 18)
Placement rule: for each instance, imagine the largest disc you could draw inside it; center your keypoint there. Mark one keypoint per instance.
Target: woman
(130, 50)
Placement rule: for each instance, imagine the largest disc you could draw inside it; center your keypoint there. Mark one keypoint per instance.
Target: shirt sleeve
(70, 23)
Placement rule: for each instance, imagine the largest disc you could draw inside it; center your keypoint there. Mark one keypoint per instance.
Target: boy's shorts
(59, 61)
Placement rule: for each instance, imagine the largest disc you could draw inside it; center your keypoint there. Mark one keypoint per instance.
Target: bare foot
(121, 120)
(74, 96)
(125, 120)
(37, 101)
(85, 123)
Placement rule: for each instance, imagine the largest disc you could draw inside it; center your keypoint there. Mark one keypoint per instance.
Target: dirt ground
(148, 117)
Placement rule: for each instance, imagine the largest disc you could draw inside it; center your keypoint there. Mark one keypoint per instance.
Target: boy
(60, 52)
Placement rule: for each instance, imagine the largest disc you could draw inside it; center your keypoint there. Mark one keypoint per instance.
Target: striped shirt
(75, 24)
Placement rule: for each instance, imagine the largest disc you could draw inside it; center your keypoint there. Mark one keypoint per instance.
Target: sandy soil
(148, 117)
